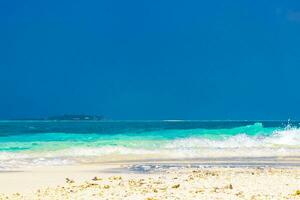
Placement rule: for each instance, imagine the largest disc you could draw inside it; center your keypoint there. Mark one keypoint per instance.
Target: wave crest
(285, 142)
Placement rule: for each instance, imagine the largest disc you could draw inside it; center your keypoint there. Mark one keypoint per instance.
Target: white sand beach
(113, 181)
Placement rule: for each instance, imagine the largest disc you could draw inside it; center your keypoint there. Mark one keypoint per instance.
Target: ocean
(38, 143)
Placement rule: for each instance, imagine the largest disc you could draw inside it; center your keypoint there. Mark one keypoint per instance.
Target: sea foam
(65, 148)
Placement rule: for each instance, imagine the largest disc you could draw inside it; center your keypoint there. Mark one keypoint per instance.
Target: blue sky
(150, 59)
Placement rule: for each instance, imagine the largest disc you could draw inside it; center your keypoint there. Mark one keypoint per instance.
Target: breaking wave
(64, 148)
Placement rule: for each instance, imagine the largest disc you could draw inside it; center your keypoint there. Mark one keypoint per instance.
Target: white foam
(280, 143)
(289, 138)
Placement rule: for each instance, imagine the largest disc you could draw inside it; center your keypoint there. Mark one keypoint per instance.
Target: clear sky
(150, 59)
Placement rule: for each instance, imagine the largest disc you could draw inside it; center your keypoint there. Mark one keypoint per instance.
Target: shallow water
(28, 143)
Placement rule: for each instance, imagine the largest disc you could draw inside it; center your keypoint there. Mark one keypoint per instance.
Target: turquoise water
(49, 142)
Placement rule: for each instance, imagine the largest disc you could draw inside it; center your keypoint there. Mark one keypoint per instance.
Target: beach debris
(116, 178)
(69, 180)
(297, 192)
(106, 186)
(199, 190)
(92, 184)
(157, 182)
(209, 173)
(176, 186)
(96, 178)
(229, 186)
(150, 198)
(239, 194)
(253, 197)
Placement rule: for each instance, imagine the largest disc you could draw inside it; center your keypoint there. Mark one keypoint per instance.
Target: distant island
(77, 117)
(67, 117)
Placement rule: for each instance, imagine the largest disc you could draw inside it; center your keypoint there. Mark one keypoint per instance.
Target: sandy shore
(115, 182)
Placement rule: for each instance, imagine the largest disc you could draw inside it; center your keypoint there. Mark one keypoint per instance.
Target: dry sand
(76, 182)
